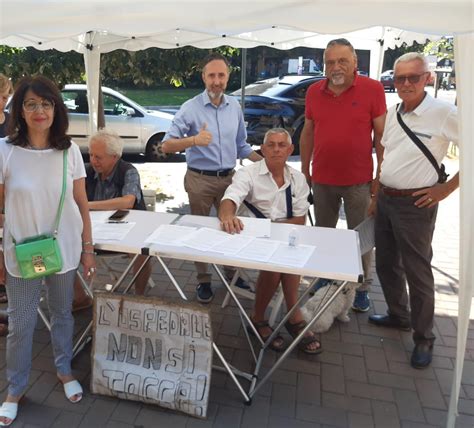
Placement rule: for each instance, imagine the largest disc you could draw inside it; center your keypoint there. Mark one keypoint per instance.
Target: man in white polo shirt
(411, 185)
(271, 189)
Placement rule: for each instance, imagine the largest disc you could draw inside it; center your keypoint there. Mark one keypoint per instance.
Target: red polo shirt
(342, 152)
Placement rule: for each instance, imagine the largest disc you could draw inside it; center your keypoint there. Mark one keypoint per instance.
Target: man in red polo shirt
(345, 116)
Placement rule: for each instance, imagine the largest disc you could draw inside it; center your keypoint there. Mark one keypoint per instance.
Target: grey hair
(113, 143)
(340, 42)
(412, 56)
(277, 131)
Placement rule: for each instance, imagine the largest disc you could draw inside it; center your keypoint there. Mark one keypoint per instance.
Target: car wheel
(296, 139)
(153, 149)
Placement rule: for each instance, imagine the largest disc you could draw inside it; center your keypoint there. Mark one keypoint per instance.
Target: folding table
(337, 257)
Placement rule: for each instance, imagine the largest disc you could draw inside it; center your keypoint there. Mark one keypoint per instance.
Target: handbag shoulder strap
(419, 144)
(289, 205)
(63, 194)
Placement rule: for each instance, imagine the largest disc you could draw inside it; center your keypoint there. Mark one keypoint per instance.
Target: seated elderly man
(112, 184)
(272, 189)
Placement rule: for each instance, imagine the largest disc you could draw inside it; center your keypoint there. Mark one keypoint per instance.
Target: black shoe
(204, 292)
(422, 356)
(242, 284)
(389, 321)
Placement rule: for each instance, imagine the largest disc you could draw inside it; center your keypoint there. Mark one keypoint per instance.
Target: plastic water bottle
(293, 237)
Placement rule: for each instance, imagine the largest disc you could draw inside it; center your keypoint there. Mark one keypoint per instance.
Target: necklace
(31, 147)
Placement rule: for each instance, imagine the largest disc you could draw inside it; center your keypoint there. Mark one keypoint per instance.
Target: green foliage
(392, 54)
(443, 48)
(142, 69)
(61, 67)
(157, 67)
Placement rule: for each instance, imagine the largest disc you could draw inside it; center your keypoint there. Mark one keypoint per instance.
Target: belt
(397, 192)
(221, 173)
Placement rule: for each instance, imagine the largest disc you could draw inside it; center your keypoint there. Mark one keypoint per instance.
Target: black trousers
(403, 235)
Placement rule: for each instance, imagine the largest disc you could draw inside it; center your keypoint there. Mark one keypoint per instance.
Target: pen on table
(117, 221)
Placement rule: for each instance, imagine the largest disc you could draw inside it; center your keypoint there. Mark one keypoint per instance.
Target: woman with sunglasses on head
(31, 182)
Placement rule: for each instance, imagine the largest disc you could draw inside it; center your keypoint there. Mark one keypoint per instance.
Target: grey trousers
(23, 300)
(327, 203)
(204, 192)
(403, 235)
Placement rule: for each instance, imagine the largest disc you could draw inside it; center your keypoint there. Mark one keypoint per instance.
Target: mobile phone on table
(118, 216)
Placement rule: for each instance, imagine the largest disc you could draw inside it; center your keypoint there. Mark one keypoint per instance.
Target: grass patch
(160, 97)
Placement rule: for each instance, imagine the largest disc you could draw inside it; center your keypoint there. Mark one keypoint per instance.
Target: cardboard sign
(151, 350)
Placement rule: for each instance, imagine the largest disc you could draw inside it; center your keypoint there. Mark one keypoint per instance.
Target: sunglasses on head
(415, 78)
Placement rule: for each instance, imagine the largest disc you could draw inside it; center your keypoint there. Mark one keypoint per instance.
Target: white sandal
(8, 410)
(71, 389)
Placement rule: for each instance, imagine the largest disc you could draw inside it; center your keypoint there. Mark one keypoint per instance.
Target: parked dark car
(386, 78)
(276, 102)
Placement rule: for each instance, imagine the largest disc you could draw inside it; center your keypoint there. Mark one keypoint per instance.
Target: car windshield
(270, 87)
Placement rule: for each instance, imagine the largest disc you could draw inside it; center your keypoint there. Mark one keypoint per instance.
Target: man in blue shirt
(210, 128)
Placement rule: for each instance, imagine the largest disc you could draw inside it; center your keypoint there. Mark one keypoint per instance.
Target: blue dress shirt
(226, 124)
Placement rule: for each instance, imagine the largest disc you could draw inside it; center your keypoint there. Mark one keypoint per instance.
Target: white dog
(339, 308)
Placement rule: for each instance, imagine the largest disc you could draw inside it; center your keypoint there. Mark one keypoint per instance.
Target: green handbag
(40, 256)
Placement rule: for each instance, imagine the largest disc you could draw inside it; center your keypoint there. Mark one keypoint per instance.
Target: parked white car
(142, 130)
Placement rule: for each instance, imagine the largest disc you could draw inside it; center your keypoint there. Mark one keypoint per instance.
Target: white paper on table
(170, 234)
(205, 239)
(100, 216)
(259, 250)
(233, 245)
(294, 256)
(366, 234)
(256, 227)
(111, 231)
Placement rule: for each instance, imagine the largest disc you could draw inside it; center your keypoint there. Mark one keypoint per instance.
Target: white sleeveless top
(32, 181)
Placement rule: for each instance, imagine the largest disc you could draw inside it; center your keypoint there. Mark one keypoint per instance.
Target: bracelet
(88, 252)
(194, 140)
(84, 243)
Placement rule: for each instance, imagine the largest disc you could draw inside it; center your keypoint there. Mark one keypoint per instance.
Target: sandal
(8, 410)
(306, 342)
(71, 389)
(277, 344)
(3, 297)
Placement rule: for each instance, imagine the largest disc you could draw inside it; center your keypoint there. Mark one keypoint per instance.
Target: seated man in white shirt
(271, 189)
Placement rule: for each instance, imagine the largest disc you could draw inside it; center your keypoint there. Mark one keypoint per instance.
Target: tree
(442, 48)
(146, 68)
(61, 67)
(155, 67)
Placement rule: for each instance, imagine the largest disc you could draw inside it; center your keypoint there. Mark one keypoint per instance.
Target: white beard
(215, 95)
(338, 79)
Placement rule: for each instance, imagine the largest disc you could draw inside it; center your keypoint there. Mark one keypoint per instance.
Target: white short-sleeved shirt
(404, 165)
(32, 182)
(255, 184)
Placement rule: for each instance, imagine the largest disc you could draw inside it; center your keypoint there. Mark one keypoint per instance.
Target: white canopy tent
(94, 27)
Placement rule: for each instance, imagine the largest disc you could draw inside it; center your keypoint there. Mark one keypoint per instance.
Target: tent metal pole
(243, 77)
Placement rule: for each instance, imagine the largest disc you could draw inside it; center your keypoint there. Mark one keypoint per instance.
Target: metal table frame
(255, 379)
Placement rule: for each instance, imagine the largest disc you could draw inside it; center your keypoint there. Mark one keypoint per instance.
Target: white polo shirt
(255, 184)
(404, 165)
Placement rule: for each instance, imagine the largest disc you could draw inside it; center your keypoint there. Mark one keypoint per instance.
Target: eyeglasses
(31, 106)
(340, 61)
(400, 80)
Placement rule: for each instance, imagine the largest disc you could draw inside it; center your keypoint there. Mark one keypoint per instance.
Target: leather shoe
(421, 356)
(390, 321)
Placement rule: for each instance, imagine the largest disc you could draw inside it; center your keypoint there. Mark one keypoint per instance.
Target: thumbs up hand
(204, 137)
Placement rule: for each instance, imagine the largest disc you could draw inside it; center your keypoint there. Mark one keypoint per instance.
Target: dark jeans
(403, 235)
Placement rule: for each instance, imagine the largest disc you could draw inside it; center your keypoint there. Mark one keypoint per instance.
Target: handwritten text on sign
(153, 351)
